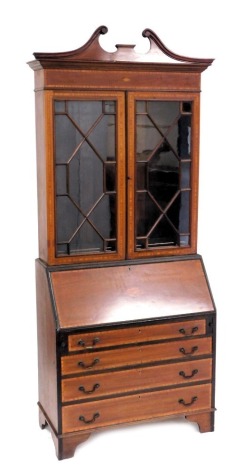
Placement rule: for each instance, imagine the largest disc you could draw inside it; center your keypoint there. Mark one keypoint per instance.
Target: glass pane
(184, 217)
(102, 137)
(67, 138)
(110, 245)
(84, 113)
(163, 176)
(110, 175)
(147, 138)
(178, 213)
(186, 107)
(69, 219)
(85, 178)
(141, 243)
(185, 177)
(61, 179)
(63, 248)
(103, 216)
(173, 213)
(163, 173)
(109, 107)
(184, 136)
(141, 177)
(86, 240)
(141, 106)
(164, 113)
(147, 214)
(85, 155)
(184, 240)
(163, 235)
(172, 138)
(59, 106)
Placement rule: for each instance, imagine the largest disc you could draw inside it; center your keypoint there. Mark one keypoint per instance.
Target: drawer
(144, 406)
(118, 382)
(136, 355)
(121, 336)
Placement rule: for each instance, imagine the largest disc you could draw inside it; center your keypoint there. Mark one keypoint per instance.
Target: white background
(193, 28)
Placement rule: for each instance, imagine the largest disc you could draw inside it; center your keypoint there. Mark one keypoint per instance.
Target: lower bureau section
(95, 414)
(110, 370)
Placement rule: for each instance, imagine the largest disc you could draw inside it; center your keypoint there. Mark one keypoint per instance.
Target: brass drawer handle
(89, 421)
(81, 342)
(88, 366)
(183, 374)
(82, 389)
(182, 401)
(188, 353)
(184, 332)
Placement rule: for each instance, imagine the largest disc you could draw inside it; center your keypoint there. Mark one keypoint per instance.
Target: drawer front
(182, 400)
(121, 336)
(99, 385)
(136, 355)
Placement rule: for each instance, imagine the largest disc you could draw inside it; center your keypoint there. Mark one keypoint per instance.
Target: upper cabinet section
(89, 174)
(163, 173)
(117, 152)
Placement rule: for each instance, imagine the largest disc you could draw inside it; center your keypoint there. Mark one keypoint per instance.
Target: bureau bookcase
(125, 315)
